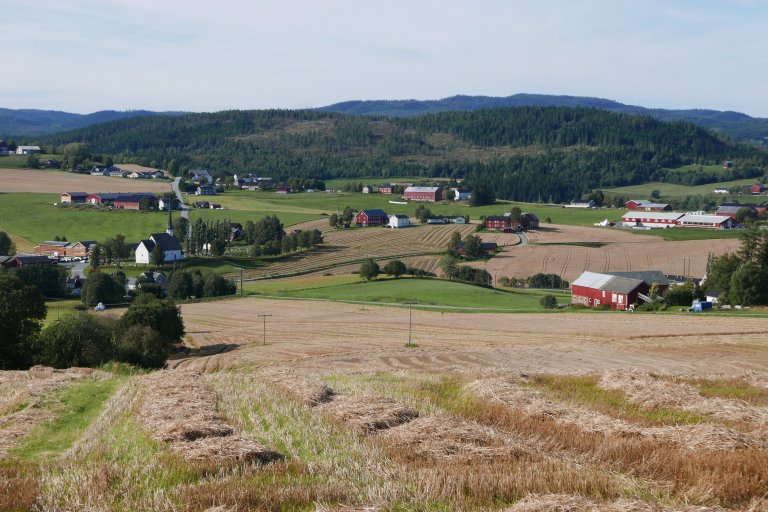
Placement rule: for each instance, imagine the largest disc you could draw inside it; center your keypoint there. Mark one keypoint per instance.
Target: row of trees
(540, 280)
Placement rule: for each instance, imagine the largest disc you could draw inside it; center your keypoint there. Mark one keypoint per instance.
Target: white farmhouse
(26, 150)
(399, 221)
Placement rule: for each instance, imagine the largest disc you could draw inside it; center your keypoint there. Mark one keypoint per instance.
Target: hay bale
(225, 450)
(179, 407)
(310, 390)
(368, 413)
(444, 437)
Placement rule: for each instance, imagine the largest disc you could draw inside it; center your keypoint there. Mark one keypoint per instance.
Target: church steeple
(169, 229)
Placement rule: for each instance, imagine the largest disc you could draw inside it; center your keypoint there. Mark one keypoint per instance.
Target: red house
(431, 194)
(648, 206)
(371, 218)
(757, 188)
(618, 290)
(498, 222)
(386, 188)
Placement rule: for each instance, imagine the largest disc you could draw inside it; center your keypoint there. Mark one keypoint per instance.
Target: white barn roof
(693, 218)
(592, 280)
(652, 215)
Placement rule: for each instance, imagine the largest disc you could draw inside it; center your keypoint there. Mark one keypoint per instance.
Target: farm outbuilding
(648, 206)
(650, 219)
(399, 221)
(74, 197)
(431, 194)
(618, 290)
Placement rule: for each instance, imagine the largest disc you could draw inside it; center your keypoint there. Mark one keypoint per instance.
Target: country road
(177, 191)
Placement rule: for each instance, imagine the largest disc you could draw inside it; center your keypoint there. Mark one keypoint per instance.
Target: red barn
(757, 188)
(498, 222)
(618, 289)
(432, 194)
(648, 206)
(371, 218)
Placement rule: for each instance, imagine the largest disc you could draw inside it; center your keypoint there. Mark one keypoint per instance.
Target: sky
(193, 55)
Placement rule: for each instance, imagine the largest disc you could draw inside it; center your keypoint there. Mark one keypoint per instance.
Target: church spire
(169, 229)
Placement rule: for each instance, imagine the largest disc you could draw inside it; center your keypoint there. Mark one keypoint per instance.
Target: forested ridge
(524, 153)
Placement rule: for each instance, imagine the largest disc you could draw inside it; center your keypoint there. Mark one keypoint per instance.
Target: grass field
(34, 218)
(432, 292)
(672, 190)
(20, 161)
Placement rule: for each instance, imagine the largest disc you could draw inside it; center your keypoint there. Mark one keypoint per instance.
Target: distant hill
(525, 153)
(32, 122)
(738, 126)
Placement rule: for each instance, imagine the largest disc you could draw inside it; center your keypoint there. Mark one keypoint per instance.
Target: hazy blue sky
(88, 55)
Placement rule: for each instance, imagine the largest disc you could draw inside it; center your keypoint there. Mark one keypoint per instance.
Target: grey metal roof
(421, 189)
(648, 276)
(620, 284)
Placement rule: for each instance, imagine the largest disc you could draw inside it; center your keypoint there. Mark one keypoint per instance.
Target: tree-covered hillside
(33, 122)
(733, 124)
(527, 153)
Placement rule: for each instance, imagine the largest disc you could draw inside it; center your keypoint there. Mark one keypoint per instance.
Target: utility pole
(264, 316)
(410, 322)
(241, 282)
(364, 296)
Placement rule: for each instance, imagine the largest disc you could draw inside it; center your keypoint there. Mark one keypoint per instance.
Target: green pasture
(644, 190)
(432, 292)
(35, 218)
(20, 161)
(317, 204)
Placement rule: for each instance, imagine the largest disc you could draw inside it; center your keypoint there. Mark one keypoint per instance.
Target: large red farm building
(618, 290)
(432, 194)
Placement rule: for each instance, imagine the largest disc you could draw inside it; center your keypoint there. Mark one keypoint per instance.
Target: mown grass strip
(737, 389)
(76, 407)
(583, 390)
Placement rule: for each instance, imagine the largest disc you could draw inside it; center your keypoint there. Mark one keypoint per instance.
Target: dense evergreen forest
(525, 153)
(735, 125)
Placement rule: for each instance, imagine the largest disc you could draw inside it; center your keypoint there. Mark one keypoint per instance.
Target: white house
(26, 150)
(461, 195)
(399, 221)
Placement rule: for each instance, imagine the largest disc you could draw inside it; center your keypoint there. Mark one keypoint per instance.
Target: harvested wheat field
(498, 412)
(626, 253)
(345, 249)
(57, 182)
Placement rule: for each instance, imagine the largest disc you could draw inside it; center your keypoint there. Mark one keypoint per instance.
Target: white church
(167, 242)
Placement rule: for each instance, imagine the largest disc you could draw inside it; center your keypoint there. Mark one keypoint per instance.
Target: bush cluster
(144, 336)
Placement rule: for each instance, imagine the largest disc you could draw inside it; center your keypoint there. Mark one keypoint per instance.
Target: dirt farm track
(338, 338)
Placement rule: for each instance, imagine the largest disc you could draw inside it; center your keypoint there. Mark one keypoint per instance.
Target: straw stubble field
(487, 412)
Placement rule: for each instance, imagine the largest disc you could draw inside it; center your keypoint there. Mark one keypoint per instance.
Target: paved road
(177, 191)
